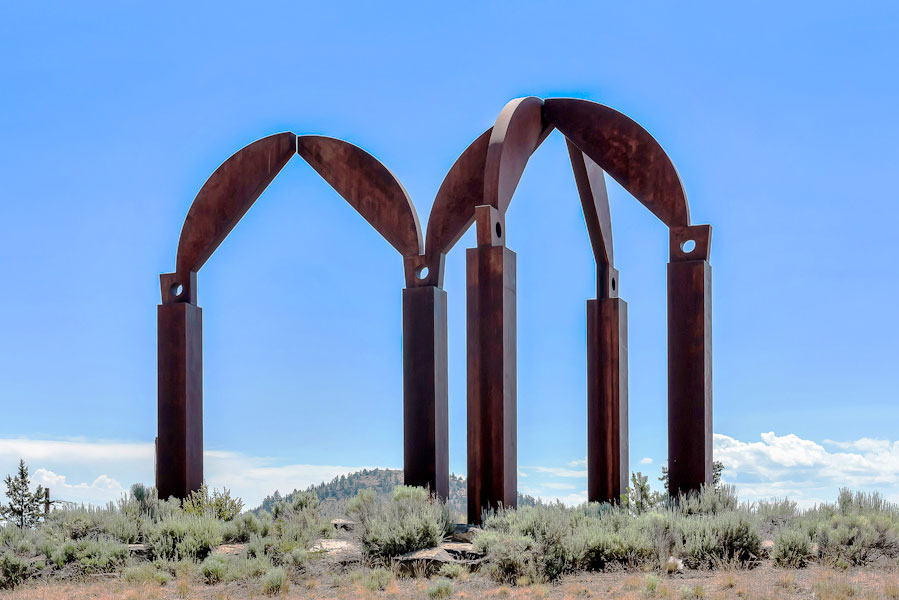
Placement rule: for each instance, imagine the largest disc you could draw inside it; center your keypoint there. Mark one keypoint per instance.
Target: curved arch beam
(453, 210)
(626, 151)
(591, 187)
(226, 197)
(368, 186)
(518, 131)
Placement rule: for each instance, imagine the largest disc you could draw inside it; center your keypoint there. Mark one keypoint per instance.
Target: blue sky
(781, 119)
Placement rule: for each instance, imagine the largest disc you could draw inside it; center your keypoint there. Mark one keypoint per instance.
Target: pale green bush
(792, 548)
(410, 520)
(440, 589)
(184, 537)
(275, 581)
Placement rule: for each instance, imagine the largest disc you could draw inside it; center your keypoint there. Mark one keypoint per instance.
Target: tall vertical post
(492, 374)
(607, 430)
(425, 390)
(689, 359)
(180, 396)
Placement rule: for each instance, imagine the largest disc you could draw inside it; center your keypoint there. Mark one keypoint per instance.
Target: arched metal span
(478, 188)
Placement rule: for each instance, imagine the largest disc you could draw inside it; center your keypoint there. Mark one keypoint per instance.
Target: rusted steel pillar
(491, 334)
(607, 434)
(180, 392)
(425, 390)
(689, 359)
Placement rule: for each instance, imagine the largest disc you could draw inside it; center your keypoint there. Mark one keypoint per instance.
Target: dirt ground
(764, 582)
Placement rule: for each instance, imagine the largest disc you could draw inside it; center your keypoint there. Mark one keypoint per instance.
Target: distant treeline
(334, 494)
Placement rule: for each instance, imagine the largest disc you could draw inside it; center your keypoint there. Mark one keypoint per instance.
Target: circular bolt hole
(613, 284)
(177, 290)
(688, 246)
(421, 273)
(499, 230)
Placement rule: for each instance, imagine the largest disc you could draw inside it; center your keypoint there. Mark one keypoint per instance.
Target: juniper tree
(24, 508)
(717, 470)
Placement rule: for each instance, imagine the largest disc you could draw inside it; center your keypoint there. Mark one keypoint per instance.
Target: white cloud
(556, 485)
(90, 472)
(805, 471)
(646, 460)
(558, 471)
(103, 489)
(774, 466)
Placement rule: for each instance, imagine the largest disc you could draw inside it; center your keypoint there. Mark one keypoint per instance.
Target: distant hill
(334, 494)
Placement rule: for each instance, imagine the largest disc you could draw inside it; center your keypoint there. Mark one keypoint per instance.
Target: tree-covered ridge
(334, 494)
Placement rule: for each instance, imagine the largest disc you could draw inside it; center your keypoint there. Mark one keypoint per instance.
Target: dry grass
(762, 583)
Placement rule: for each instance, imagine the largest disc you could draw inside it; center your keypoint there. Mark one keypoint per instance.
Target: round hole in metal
(688, 246)
(421, 273)
(499, 230)
(177, 290)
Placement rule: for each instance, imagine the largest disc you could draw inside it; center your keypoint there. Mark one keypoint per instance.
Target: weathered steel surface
(591, 187)
(607, 440)
(179, 449)
(624, 150)
(425, 390)
(689, 361)
(227, 195)
(478, 188)
(491, 342)
(518, 131)
(368, 186)
(453, 210)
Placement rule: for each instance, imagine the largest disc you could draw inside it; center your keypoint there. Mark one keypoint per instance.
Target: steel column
(491, 335)
(180, 399)
(425, 390)
(689, 360)
(607, 434)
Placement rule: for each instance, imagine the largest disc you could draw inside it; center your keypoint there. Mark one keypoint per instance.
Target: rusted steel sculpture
(478, 189)
(370, 188)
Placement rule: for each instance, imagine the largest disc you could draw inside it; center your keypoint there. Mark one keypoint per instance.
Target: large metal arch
(599, 139)
(226, 196)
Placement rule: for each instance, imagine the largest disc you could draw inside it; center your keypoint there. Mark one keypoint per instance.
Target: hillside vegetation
(147, 541)
(334, 494)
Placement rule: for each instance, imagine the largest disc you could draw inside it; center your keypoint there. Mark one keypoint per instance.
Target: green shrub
(145, 573)
(410, 520)
(13, 570)
(214, 568)
(710, 500)
(275, 582)
(298, 558)
(652, 585)
(375, 580)
(218, 504)
(101, 556)
(440, 589)
(64, 554)
(452, 570)
(509, 557)
(792, 548)
(184, 537)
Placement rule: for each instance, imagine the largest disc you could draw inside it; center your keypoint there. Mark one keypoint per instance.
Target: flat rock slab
(465, 533)
(341, 551)
(428, 561)
(229, 549)
(138, 550)
(344, 524)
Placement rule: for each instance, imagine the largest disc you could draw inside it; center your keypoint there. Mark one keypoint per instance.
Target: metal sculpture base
(689, 375)
(492, 421)
(425, 390)
(607, 441)
(179, 447)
